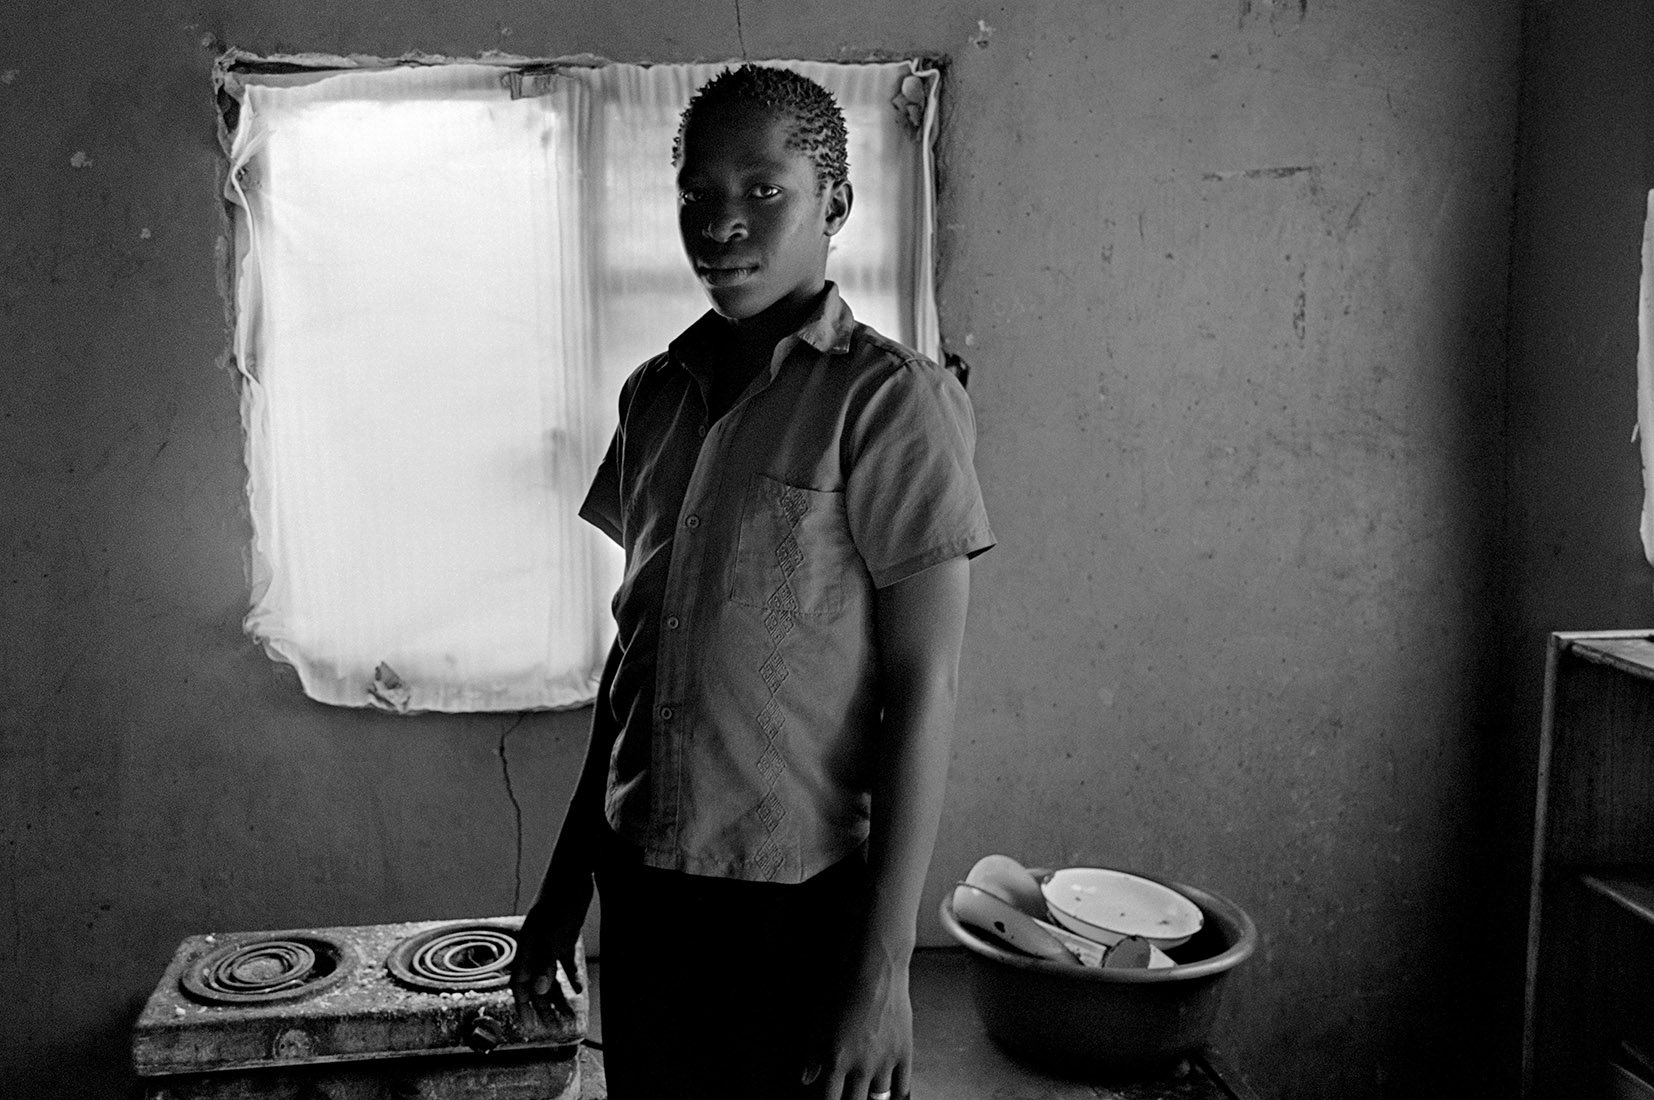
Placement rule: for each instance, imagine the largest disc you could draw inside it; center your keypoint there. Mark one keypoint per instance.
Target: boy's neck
(754, 338)
(752, 342)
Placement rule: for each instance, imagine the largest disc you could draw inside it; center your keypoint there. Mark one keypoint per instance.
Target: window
(443, 275)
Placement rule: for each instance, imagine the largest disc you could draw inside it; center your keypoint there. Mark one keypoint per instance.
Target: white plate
(1107, 906)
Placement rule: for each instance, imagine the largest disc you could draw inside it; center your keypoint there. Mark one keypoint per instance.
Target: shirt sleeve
(601, 507)
(911, 494)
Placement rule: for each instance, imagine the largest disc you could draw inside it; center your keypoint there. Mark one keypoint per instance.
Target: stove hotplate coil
(455, 958)
(267, 971)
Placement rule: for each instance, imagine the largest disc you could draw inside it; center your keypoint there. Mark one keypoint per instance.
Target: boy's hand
(545, 942)
(870, 1051)
(552, 926)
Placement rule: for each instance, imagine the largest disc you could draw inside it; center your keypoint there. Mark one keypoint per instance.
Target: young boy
(760, 797)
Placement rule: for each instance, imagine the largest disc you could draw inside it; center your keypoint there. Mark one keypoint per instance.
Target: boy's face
(754, 221)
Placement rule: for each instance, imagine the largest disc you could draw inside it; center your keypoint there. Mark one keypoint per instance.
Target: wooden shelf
(1591, 917)
(1628, 651)
(1636, 1059)
(1632, 889)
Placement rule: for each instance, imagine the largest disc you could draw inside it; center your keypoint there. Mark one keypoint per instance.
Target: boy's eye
(689, 196)
(765, 191)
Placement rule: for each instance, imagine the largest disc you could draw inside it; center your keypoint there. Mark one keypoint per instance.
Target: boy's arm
(554, 920)
(919, 627)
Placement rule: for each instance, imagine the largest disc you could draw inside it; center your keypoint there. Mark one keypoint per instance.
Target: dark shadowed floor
(955, 1059)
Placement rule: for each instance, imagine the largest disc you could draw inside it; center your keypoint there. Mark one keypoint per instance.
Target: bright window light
(444, 273)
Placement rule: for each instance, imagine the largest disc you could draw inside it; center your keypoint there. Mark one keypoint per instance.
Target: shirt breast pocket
(794, 549)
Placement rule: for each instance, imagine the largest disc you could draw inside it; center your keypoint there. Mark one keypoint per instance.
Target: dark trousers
(718, 987)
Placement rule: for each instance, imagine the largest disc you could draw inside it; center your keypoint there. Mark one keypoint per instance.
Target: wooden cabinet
(1589, 1008)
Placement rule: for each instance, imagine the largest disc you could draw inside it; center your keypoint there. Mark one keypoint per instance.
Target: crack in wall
(1280, 173)
(740, 32)
(16, 911)
(516, 810)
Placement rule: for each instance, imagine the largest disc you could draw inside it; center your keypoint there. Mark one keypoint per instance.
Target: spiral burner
(455, 958)
(266, 971)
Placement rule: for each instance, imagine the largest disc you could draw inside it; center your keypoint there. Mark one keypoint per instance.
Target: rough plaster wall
(1586, 165)
(1241, 310)
(1231, 278)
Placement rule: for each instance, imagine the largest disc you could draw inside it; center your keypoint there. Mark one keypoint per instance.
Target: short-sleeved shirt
(746, 696)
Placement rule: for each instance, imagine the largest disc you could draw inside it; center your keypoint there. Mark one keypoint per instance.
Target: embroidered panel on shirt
(770, 720)
(774, 671)
(789, 554)
(770, 764)
(779, 619)
(782, 612)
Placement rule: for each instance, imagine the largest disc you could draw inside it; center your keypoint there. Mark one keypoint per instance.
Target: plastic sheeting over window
(444, 272)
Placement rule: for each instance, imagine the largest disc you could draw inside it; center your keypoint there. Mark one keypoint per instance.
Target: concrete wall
(1231, 277)
(1574, 484)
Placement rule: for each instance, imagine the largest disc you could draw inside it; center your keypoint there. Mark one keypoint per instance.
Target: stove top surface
(246, 1000)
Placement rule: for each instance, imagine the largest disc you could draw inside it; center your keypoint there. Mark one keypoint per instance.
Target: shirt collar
(827, 329)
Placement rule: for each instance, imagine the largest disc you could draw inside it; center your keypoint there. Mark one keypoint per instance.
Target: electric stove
(417, 1011)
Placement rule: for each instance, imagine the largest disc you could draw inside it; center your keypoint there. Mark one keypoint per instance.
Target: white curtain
(881, 260)
(440, 287)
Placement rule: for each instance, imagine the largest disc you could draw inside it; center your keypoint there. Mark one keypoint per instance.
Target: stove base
(504, 1075)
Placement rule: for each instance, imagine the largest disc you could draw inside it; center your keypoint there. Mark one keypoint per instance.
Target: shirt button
(665, 714)
(701, 431)
(672, 623)
(692, 522)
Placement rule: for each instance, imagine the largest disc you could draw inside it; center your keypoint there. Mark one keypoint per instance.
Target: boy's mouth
(724, 275)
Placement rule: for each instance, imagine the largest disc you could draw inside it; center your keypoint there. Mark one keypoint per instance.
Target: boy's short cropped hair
(816, 124)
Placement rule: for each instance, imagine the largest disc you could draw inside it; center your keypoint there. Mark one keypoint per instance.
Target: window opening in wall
(443, 273)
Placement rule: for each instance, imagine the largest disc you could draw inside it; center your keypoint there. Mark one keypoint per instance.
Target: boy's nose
(724, 226)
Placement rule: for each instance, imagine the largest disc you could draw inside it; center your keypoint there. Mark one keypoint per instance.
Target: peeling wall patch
(80, 160)
(983, 33)
(8, 76)
(388, 691)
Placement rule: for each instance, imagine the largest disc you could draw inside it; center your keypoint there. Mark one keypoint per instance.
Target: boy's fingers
(571, 967)
(553, 996)
(834, 1086)
(826, 1084)
(539, 991)
(522, 994)
(856, 1086)
(901, 1085)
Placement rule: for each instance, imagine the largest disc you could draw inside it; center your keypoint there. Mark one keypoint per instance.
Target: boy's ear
(839, 200)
